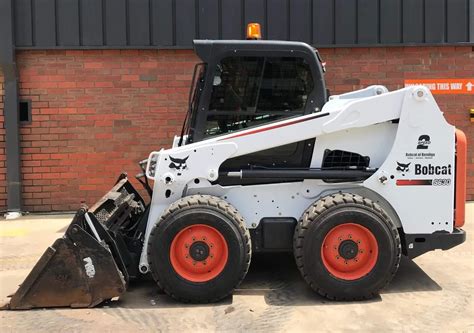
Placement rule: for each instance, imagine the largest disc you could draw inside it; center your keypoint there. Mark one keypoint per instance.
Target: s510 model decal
(441, 182)
(421, 182)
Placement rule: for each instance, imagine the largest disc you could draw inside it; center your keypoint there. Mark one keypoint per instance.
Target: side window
(285, 86)
(251, 91)
(236, 83)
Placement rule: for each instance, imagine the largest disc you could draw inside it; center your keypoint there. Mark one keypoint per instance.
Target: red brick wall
(3, 170)
(96, 113)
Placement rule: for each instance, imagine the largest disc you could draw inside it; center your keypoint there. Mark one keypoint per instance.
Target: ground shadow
(145, 294)
(276, 278)
(411, 278)
(279, 281)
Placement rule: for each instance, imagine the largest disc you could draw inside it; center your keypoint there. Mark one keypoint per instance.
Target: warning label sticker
(445, 86)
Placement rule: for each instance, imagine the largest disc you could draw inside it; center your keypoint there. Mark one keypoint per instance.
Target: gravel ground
(431, 293)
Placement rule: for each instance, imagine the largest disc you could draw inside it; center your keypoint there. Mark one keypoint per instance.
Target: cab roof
(209, 49)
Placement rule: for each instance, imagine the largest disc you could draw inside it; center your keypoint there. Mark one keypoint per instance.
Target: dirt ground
(431, 293)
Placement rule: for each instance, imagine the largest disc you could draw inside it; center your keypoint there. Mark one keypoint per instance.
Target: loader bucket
(85, 266)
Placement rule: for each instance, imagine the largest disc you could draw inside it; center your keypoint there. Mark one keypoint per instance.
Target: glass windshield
(251, 91)
(194, 95)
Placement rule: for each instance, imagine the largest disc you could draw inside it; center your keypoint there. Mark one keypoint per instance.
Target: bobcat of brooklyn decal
(423, 144)
(179, 164)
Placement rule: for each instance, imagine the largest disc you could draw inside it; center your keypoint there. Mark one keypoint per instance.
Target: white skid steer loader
(267, 162)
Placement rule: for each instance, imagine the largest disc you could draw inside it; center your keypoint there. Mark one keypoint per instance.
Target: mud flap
(85, 266)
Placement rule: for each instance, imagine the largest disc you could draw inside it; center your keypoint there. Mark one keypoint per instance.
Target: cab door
(249, 91)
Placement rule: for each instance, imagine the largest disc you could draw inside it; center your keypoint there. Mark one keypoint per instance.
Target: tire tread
(225, 208)
(320, 207)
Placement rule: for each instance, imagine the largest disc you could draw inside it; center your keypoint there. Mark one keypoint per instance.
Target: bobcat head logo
(179, 164)
(403, 167)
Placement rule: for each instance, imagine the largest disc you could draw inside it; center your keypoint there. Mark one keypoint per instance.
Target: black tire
(325, 215)
(200, 210)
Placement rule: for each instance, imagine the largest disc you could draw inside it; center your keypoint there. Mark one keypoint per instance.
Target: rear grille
(340, 159)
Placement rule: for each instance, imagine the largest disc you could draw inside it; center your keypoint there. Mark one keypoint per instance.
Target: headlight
(152, 162)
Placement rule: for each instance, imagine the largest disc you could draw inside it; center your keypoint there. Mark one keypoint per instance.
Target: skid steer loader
(267, 162)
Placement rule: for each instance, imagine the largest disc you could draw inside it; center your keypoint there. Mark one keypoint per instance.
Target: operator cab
(241, 84)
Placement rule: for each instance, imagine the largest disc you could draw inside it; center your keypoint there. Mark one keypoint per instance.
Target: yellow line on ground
(13, 232)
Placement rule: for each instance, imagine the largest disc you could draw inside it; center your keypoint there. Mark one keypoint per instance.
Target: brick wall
(96, 113)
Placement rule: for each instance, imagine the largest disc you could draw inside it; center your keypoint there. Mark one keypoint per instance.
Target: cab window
(251, 91)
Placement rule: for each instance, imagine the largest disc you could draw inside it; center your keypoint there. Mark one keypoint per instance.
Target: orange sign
(445, 86)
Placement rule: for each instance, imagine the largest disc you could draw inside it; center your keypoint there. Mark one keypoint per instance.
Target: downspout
(10, 111)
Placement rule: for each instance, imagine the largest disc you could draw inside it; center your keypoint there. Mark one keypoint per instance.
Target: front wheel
(346, 247)
(200, 249)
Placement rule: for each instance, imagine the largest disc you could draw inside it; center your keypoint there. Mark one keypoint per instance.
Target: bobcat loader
(267, 162)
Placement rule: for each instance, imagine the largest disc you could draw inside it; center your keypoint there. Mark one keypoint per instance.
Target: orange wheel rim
(198, 253)
(349, 251)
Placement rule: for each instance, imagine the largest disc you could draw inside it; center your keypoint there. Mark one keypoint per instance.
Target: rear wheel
(346, 247)
(200, 250)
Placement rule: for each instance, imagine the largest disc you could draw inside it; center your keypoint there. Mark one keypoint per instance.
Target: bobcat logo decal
(89, 266)
(403, 167)
(179, 164)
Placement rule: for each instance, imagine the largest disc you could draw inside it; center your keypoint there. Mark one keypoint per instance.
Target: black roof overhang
(208, 50)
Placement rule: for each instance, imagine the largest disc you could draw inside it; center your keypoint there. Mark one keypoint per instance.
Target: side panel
(256, 202)
(419, 170)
